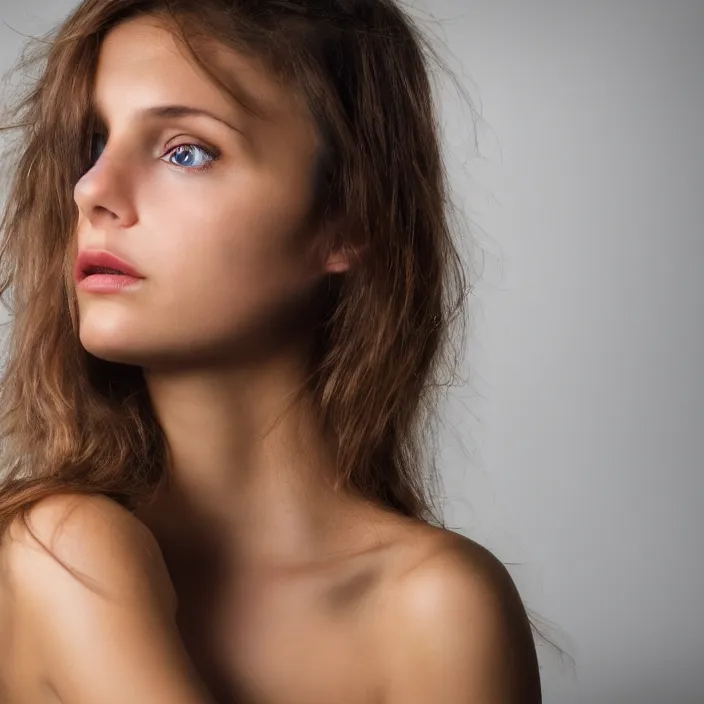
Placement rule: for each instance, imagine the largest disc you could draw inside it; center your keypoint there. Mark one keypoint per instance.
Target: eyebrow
(175, 111)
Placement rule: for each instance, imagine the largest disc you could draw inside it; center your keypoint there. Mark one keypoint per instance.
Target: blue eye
(187, 153)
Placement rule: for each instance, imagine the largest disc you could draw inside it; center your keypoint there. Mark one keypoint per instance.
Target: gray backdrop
(575, 447)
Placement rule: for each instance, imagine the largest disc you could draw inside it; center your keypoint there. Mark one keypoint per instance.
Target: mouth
(97, 263)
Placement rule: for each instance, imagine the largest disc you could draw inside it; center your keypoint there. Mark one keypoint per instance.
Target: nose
(103, 194)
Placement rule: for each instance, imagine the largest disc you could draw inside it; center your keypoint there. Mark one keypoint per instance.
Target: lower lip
(108, 283)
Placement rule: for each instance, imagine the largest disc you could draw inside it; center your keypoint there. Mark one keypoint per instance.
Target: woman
(232, 281)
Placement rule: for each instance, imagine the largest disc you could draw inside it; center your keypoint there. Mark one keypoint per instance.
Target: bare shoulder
(93, 602)
(86, 537)
(452, 574)
(455, 627)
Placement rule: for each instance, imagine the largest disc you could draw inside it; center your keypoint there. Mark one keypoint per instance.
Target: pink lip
(108, 283)
(100, 258)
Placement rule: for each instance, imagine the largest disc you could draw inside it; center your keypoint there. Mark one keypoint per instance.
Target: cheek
(237, 258)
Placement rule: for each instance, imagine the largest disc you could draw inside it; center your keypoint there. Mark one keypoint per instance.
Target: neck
(249, 463)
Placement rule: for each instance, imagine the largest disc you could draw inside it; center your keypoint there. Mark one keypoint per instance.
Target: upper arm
(106, 632)
(460, 634)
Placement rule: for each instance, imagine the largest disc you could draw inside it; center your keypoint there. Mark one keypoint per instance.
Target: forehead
(141, 64)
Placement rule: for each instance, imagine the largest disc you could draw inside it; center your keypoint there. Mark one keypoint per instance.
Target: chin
(111, 343)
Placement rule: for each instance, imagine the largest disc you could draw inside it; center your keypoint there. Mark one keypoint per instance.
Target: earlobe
(342, 252)
(343, 258)
(337, 263)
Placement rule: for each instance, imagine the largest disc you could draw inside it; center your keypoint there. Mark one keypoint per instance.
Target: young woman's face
(209, 210)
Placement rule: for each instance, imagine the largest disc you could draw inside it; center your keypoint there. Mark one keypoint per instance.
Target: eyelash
(212, 154)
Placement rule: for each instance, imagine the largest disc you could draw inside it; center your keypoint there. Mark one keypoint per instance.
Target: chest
(286, 642)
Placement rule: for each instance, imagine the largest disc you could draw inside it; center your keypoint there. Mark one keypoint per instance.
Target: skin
(251, 579)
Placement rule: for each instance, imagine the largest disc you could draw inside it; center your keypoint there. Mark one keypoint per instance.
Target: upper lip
(89, 258)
